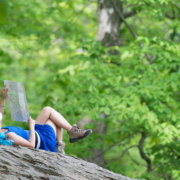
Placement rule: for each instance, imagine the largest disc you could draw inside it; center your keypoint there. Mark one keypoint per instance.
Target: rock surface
(20, 163)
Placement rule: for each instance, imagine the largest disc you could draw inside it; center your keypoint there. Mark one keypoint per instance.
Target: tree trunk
(20, 163)
(109, 35)
(101, 128)
(109, 23)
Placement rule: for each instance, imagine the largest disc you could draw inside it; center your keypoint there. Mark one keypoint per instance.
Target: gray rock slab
(20, 163)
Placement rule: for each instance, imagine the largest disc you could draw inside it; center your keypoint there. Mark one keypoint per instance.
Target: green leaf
(3, 10)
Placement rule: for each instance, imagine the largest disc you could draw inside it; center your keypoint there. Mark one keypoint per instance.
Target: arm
(2, 101)
(21, 141)
(32, 132)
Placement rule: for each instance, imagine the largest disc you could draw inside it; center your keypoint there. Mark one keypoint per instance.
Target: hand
(4, 92)
(31, 122)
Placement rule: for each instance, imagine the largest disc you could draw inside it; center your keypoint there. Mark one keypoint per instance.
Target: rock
(20, 163)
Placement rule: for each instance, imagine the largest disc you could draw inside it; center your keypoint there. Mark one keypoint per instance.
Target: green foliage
(3, 10)
(50, 47)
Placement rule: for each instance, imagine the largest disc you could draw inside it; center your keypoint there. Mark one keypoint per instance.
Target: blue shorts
(47, 136)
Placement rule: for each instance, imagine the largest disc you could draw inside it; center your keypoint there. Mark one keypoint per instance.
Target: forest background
(110, 65)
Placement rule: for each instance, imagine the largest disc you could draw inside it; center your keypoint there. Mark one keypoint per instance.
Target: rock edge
(20, 163)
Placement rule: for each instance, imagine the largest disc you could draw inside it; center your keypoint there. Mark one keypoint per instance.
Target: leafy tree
(50, 47)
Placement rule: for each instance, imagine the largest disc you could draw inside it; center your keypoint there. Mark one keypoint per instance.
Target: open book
(17, 102)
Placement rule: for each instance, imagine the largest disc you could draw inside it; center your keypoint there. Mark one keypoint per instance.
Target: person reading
(45, 132)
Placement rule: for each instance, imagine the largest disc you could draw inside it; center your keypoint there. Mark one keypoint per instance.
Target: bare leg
(60, 145)
(53, 115)
(59, 135)
(75, 134)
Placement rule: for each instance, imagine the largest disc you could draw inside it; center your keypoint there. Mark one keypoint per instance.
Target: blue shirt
(46, 133)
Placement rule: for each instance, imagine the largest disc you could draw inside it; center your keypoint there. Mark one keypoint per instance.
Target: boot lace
(79, 129)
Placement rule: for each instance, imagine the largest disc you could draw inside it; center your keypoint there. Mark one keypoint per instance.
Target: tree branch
(175, 5)
(131, 30)
(119, 158)
(173, 16)
(128, 14)
(134, 160)
(132, 12)
(170, 17)
(69, 21)
(116, 143)
(148, 160)
(123, 19)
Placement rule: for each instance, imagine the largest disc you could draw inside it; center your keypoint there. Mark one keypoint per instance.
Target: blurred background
(109, 65)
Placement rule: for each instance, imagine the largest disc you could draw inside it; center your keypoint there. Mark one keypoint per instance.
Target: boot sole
(79, 138)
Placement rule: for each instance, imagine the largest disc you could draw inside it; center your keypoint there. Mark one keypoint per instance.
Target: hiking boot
(75, 133)
(60, 147)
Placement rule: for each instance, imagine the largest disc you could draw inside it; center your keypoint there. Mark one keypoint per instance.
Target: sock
(58, 141)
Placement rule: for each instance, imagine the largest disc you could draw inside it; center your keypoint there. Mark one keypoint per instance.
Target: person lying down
(46, 132)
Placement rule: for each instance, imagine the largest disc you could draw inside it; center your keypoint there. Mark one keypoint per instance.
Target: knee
(47, 109)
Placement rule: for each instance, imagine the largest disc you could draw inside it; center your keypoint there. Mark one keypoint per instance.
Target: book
(17, 102)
